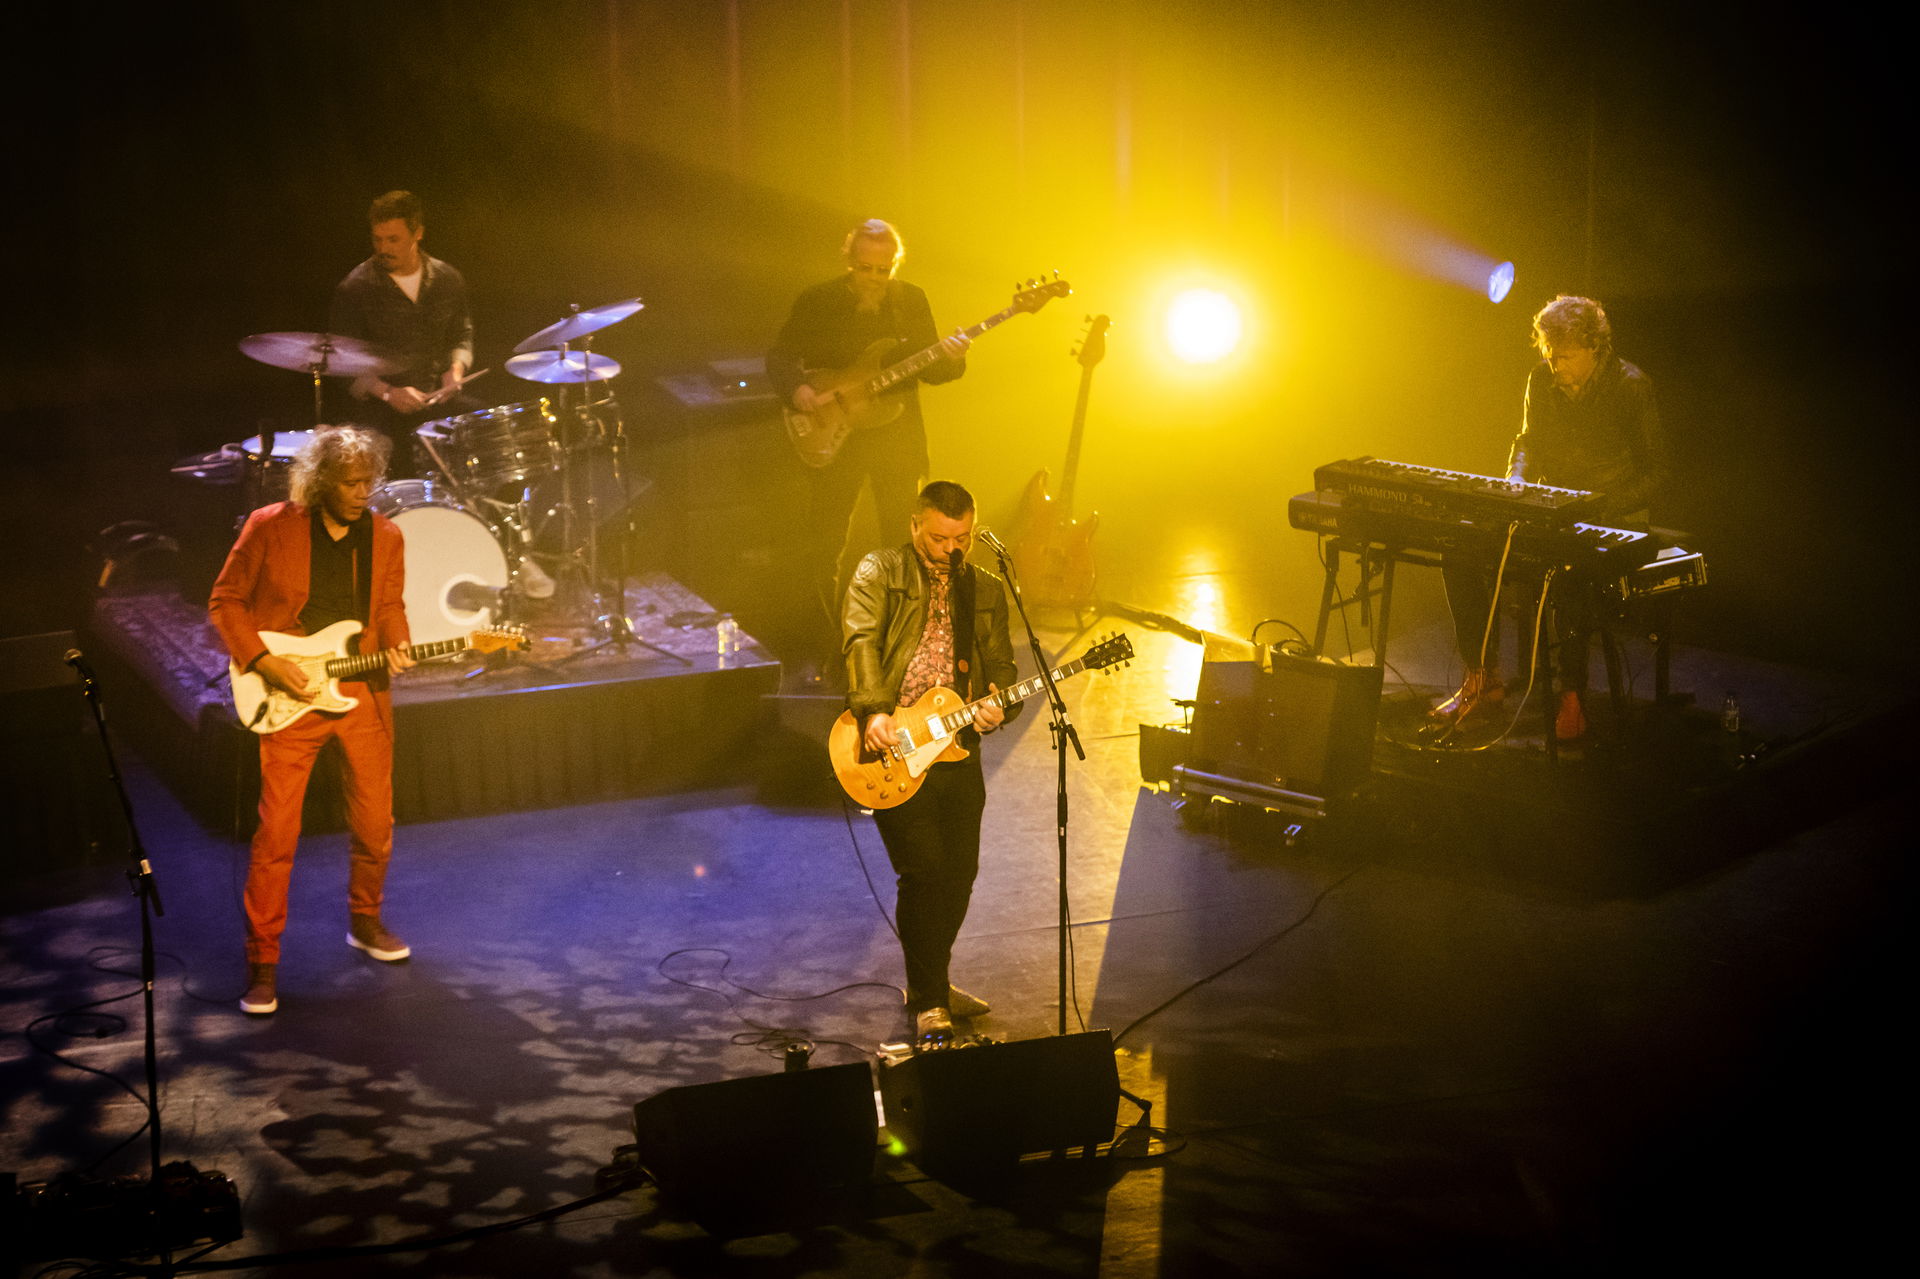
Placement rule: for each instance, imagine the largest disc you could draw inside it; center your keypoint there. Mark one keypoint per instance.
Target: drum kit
(521, 508)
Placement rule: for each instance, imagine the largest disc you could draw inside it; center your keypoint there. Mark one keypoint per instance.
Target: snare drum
(483, 451)
(455, 567)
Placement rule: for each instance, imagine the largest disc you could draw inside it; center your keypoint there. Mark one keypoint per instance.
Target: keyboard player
(1588, 421)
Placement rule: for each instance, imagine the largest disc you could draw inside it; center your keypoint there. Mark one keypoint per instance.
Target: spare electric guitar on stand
(1055, 550)
(325, 658)
(850, 399)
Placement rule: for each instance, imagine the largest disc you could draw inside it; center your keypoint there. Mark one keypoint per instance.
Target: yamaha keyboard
(1575, 543)
(1396, 510)
(1387, 513)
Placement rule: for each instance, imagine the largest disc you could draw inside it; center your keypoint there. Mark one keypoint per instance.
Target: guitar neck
(1010, 695)
(361, 663)
(894, 374)
(1071, 471)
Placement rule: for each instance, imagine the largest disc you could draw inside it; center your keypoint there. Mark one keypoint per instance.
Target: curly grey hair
(328, 455)
(1572, 321)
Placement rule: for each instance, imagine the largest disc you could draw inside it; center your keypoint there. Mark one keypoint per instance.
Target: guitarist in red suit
(830, 325)
(298, 567)
(911, 624)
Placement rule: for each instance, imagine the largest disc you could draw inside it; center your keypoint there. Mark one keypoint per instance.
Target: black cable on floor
(1224, 969)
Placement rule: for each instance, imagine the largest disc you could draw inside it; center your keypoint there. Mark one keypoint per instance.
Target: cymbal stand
(609, 617)
(319, 370)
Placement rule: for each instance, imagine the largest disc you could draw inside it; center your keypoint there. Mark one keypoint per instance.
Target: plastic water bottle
(1730, 713)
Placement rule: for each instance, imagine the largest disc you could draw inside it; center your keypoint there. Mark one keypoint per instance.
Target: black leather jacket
(886, 612)
(1609, 440)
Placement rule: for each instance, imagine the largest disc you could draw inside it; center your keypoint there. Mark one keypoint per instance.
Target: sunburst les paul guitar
(325, 658)
(850, 399)
(928, 732)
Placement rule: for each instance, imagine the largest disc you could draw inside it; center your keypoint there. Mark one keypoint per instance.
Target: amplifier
(1299, 723)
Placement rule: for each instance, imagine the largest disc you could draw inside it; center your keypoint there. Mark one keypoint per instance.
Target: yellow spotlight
(1203, 326)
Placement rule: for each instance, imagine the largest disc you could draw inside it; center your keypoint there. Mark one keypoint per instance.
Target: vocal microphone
(994, 544)
(956, 560)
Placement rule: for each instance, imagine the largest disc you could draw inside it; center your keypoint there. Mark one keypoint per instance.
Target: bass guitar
(849, 399)
(1055, 550)
(928, 732)
(325, 658)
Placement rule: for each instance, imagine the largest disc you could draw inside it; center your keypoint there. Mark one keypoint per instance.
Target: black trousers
(1469, 580)
(933, 841)
(892, 459)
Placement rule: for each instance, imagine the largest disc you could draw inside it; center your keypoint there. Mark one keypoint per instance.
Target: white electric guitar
(325, 657)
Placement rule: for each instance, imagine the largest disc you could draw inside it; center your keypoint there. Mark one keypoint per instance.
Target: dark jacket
(424, 334)
(1609, 440)
(885, 613)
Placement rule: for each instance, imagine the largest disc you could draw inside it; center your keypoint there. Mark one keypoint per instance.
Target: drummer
(410, 302)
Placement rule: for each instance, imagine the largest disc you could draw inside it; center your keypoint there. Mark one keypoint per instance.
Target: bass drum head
(455, 567)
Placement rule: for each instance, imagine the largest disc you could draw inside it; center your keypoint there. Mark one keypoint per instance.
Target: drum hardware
(319, 355)
(584, 439)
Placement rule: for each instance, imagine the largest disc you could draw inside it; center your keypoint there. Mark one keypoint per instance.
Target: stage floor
(1378, 1051)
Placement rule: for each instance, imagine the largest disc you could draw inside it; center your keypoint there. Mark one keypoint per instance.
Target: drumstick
(445, 391)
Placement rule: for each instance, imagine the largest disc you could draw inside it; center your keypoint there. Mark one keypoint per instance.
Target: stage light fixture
(1500, 282)
(1203, 326)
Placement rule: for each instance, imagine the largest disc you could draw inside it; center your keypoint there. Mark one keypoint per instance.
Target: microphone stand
(1063, 732)
(140, 876)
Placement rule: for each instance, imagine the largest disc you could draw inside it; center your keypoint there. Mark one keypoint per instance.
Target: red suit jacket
(263, 587)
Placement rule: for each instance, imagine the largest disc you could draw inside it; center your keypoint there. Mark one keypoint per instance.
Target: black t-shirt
(339, 575)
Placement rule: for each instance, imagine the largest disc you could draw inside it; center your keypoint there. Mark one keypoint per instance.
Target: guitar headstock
(1037, 293)
(1093, 347)
(1115, 650)
(508, 637)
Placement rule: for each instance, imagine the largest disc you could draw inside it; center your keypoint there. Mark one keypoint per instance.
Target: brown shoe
(1570, 721)
(1480, 691)
(260, 998)
(366, 932)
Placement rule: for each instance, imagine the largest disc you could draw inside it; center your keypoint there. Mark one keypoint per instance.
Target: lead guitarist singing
(919, 617)
(1588, 421)
(300, 566)
(829, 327)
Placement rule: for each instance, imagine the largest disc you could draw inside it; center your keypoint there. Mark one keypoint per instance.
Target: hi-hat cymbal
(329, 353)
(580, 323)
(563, 366)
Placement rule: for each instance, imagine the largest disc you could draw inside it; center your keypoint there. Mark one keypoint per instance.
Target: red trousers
(286, 762)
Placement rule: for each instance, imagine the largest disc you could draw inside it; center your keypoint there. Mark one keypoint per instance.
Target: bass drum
(455, 567)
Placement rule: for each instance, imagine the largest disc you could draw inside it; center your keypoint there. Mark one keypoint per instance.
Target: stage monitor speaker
(1305, 722)
(979, 1108)
(763, 1154)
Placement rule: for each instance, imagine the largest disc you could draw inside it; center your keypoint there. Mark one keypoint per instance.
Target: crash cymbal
(579, 324)
(327, 353)
(563, 366)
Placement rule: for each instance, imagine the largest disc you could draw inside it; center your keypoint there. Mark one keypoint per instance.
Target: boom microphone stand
(1063, 731)
(140, 875)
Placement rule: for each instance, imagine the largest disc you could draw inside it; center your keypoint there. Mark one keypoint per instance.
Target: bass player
(830, 326)
(918, 617)
(298, 567)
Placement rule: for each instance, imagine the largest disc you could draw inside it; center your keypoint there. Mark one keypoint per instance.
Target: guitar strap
(963, 654)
